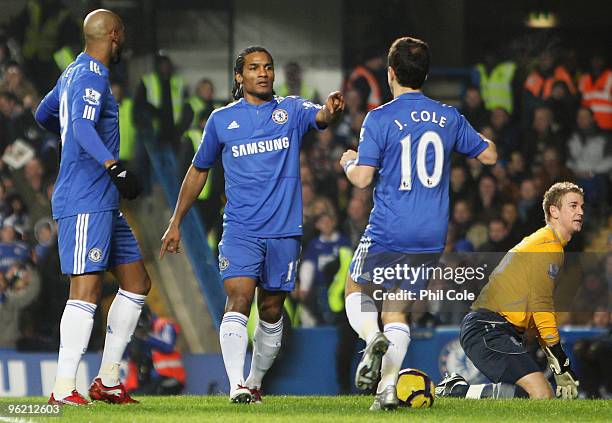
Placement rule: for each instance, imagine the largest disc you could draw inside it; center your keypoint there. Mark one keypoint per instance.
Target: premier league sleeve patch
(280, 116)
(92, 97)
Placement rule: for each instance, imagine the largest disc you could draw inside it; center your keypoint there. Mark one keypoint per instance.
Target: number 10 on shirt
(428, 181)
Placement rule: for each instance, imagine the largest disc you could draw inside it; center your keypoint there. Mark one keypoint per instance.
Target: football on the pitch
(415, 389)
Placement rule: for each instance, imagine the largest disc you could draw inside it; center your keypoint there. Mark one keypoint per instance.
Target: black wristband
(561, 357)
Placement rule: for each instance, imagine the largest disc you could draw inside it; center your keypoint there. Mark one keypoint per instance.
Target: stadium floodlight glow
(541, 20)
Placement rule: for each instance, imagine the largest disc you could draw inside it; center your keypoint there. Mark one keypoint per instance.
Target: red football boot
(112, 395)
(74, 399)
(256, 395)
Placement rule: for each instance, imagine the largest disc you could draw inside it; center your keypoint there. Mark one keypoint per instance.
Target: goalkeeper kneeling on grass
(519, 296)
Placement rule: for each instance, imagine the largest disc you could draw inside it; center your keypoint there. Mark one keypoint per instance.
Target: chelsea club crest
(280, 116)
(95, 255)
(223, 263)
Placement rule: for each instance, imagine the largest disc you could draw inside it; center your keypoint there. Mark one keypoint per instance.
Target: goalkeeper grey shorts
(495, 347)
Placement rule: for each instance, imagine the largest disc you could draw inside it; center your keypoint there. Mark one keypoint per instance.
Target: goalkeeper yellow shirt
(521, 286)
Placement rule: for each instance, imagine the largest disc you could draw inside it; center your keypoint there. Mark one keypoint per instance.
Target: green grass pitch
(295, 409)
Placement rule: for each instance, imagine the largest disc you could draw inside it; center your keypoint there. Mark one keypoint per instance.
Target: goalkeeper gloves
(567, 384)
(124, 180)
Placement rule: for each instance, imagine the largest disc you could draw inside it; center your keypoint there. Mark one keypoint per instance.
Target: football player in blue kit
(258, 138)
(93, 235)
(407, 143)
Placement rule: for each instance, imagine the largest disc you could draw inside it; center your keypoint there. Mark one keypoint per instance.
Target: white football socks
(398, 335)
(234, 339)
(266, 344)
(122, 319)
(75, 330)
(362, 315)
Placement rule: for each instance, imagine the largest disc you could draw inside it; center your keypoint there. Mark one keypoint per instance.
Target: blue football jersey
(260, 151)
(410, 141)
(83, 92)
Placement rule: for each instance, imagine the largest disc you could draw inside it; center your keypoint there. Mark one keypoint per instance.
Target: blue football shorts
(95, 242)
(272, 262)
(374, 265)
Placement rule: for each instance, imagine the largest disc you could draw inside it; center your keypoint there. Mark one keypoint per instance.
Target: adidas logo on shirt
(233, 125)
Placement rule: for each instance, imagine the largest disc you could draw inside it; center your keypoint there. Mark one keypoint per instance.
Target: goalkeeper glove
(567, 384)
(124, 180)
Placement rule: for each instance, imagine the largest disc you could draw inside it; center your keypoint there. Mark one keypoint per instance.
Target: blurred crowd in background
(551, 121)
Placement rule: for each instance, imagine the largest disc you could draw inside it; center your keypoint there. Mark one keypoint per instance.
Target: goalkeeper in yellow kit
(519, 296)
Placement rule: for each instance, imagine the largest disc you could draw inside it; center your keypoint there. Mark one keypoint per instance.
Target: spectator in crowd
(159, 104)
(295, 85)
(593, 357)
(343, 194)
(596, 89)
(454, 244)
(13, 252)
(358, 213)
(553, 168)
(127, 128)
(19, 287)
(495, 77)
(509, 214)
(324, 156)
(45, 233)
(466, 227)
(344, 130)
(517, 168)
(16, 83)
(319, 205)
(593, 293)
(315, 274)
(460, 184)
(506, 188)
(29, 182)
(370, 79)
(43, 29)
(488, 201)
(474, 168)
(507, 136)
(155, 366)
(19, 218)
(498, 239)
(5, 208)
(563, 106)
(530, 210)
(308, 196)
(590, 158)
(539, 83)
(10, 110)
(203, 102)
(461, 218)
(472, 107)
(540, 135)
